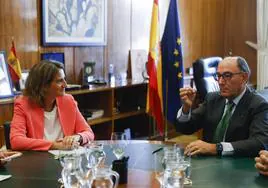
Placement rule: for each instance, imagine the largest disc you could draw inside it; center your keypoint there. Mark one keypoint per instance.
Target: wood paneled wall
(240, 26)
(18, 19)
(202, 28)
(208, 27)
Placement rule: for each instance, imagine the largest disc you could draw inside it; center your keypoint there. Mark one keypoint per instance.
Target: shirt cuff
(181, 117)
(227, 149)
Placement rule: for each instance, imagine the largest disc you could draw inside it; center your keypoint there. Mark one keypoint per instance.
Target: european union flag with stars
(172, 65)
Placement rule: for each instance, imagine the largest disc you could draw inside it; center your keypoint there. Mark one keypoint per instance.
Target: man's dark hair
(243, 65)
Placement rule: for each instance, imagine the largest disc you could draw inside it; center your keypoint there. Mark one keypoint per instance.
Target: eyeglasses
(225, 76)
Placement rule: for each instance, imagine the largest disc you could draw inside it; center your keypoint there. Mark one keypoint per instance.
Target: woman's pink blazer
(27, 126)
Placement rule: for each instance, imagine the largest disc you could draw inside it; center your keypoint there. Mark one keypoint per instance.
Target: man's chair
(6, 133)
(264, 93)
(204, 70)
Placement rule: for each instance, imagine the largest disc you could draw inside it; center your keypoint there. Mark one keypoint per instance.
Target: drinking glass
(174, 174)
(158, 166)
(164, 161)
(118, 144)
(187, 164)
(172, 154)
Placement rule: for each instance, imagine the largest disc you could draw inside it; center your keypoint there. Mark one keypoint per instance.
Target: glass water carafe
(102, 178)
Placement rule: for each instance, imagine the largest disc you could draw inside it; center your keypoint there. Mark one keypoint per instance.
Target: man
(262, 162)
(234, 120)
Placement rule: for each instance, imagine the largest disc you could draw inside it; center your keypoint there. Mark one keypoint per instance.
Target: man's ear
(245, 77)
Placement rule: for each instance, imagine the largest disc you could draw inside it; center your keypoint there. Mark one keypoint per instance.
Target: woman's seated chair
(204, 70)
(6, 133)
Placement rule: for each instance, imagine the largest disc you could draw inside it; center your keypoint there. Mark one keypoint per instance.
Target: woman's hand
(4, 155)
(71, 141)
(67, 143)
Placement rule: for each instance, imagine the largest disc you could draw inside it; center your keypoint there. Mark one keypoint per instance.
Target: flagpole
(154, 127)
(166, 110)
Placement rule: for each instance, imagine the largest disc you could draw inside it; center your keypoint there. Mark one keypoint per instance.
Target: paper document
(12, 155)
(56, 153)
(4, 177)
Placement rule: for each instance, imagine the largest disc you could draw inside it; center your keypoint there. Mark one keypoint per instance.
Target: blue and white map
(76, 18)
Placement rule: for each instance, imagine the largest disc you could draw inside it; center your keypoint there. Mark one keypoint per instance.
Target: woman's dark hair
(39, 80)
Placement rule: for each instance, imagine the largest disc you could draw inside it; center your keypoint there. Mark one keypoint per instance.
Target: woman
(46, 118)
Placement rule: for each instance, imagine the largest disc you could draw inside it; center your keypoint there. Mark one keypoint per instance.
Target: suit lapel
(239, 114)
(220, 110)
(37, 116)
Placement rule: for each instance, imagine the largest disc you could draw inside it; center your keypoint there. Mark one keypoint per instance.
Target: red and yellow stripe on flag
(154, 67)
(14, 64)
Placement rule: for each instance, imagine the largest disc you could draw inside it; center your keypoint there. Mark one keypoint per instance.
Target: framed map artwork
(74, 23)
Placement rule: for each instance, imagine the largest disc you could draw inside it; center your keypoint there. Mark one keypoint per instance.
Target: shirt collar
(238, 98)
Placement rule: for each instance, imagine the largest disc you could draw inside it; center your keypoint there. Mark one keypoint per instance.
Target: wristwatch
(219, 149)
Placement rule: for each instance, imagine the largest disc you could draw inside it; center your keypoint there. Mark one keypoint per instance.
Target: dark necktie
(223, 124)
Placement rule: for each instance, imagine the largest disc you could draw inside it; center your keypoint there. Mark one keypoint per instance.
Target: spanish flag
(154, 67)
(14, 64)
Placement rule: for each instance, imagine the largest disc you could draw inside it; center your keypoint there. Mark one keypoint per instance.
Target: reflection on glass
(187, 163)
(118, 144)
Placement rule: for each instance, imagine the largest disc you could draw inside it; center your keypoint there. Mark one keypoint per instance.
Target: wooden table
(40, 169)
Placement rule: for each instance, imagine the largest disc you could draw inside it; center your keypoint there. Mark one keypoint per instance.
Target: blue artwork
(74, 21)
(57, 56)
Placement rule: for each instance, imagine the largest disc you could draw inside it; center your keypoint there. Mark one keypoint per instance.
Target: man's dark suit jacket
(248, 127)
